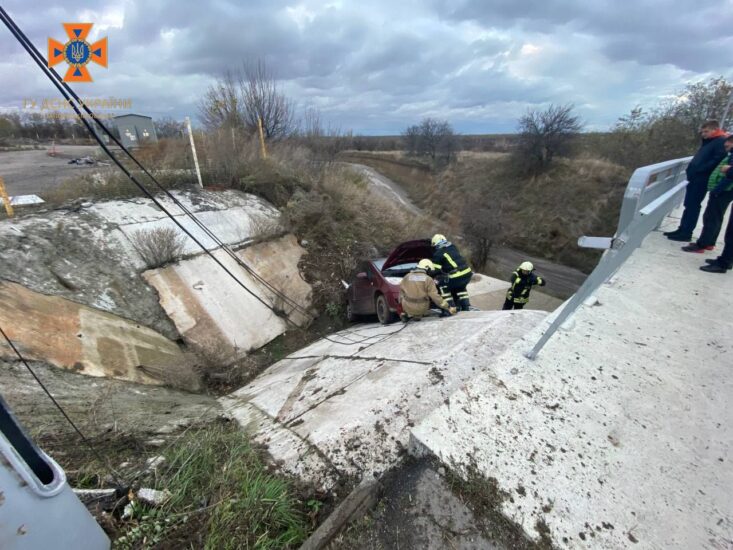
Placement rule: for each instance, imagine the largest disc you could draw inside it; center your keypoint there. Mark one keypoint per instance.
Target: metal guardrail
(652, 193)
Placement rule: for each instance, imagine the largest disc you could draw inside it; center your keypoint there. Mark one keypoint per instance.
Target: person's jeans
(694, 196)
(712, 219)
(726, 258)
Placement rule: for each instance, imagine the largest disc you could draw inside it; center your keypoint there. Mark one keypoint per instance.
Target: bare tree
(411, 137)
(481, 226)
(239, 100)
(546, 134)
(261, 98)
(432, 137)
(167, 127)
(221, 105)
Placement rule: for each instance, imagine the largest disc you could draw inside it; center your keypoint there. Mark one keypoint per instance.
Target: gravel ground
(34, 171)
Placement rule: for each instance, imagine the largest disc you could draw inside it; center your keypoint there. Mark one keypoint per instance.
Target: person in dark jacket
(720, 187)
(455, 270)
(709, 155)
(724, 262)
(522, 280)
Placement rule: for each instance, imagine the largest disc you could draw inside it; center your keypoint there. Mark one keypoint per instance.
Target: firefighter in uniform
(455, 272)
(522, 280)
(417, 290)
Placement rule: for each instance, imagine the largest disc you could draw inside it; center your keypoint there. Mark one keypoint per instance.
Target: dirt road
(386, 187)
(562, 281)
(34, 171)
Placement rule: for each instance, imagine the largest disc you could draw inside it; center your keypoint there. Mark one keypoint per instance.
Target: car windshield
(399, 270)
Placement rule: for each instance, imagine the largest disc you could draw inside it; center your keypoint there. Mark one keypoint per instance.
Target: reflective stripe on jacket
(449, 260)
(522, 286)
(417, 289)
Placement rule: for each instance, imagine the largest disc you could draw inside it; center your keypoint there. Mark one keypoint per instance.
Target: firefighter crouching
(522, 280)
(417, 290)
(455, 270)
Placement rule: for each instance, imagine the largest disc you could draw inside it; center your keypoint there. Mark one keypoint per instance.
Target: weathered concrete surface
(343, 406)
(88, 341)
(215, 315)
(98, 405)
(232, 216)
(83, 252)
(620, 433)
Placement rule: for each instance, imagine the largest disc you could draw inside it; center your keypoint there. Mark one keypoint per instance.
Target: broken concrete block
(216, 315)
(89, 341)
(153, 497)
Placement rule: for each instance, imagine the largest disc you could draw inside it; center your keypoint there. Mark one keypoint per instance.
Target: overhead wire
(68, 94)
(84, 438)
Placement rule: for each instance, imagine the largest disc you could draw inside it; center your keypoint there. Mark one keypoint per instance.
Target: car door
(362, 289)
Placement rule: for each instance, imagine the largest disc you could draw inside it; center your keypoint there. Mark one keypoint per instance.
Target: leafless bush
(158, 246)
(240, 99)
(433, 138)
(544, 135)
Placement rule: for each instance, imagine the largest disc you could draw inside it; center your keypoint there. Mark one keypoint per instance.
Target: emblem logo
(77, 52)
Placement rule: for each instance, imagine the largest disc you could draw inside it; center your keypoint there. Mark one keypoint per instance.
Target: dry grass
(158, 246)
(543, 216)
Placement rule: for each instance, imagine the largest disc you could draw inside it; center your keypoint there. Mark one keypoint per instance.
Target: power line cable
(56, 80)
(86, 441)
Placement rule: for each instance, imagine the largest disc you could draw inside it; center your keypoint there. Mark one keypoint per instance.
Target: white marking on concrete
(354, 397)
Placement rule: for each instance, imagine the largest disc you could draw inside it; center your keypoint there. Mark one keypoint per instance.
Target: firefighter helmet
(526, 266)
(437, 238)
(425, 264)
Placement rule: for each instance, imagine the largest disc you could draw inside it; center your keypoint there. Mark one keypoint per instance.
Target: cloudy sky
(376, 66)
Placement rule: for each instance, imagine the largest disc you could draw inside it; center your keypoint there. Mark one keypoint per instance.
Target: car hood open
(410, 251)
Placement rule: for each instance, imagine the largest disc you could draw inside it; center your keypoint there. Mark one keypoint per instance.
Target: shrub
(158, 246)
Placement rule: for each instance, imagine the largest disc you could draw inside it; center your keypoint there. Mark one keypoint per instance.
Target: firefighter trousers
(453, 290)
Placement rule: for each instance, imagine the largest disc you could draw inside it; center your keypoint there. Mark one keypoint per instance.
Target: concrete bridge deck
(619, 434)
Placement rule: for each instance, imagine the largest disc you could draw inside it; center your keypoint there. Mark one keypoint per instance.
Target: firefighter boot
(463, 301)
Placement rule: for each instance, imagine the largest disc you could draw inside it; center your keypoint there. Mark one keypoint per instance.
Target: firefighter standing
(523, 279)
(417, 290)
(455, 270)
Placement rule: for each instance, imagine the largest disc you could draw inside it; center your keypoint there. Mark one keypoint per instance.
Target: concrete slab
(23, 200)
(85, 340)
(352, 398)
(620, 433)
(215, 315)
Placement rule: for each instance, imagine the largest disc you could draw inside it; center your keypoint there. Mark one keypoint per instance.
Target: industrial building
(135, 130)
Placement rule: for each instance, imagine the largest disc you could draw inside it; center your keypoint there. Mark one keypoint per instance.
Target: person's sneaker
(696, 248)
(680, 237)
(669, 233)
(712, 260)
(404, 317)
(713, 268)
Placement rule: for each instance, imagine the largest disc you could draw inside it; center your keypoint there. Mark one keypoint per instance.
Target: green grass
(222, 497)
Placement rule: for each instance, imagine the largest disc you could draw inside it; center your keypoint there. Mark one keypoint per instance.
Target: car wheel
(384, 315)
(350, 315)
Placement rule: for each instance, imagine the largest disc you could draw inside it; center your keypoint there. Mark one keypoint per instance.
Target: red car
(375, 289)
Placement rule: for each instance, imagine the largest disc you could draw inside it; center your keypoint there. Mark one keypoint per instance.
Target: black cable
(55, 77)
(40, 61)
(63, 412)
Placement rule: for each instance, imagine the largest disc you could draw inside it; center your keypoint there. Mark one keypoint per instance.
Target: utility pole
(262, 138)
(193, 149)
(6, 199)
